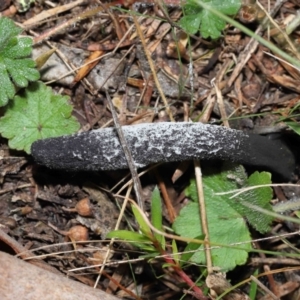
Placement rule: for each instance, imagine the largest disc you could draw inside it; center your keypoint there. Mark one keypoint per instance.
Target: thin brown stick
(203, 215)
(86, 14)
(170, 208)
(131, 165)
(107, 254)
(45, 14)
(150, 61)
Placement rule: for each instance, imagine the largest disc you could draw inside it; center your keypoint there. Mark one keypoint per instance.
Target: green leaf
(15, 67)
(127, 235)
(191, 23)
(260, 197)
(253, 287)
(196, 18)
(137, 239)
(295, 126)
(36, 114)
(144, 227)
(226, 226)
(190, 249)
(156, 209)
(226, 216)
(175, 255)
(156, 216)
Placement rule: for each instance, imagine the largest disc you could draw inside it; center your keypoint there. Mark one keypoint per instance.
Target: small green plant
(226, 217)
(198, 19)
(16, 69)
(291, 119)
(154, 243)
(35, 112)
(227, 221)
(145, 239)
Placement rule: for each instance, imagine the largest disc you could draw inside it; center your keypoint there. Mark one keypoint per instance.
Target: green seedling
(153, 242)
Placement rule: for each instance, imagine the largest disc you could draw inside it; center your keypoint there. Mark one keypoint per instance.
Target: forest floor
(154, 72)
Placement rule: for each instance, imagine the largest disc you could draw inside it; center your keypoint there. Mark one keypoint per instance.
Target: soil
(63, 218)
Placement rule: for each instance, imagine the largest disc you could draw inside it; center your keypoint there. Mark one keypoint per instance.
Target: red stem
(198, 292)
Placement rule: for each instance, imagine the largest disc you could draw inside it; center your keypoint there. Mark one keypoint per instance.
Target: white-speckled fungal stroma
(161, 142)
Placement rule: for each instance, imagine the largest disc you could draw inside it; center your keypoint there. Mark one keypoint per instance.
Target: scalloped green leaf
(16, 69)
(198, 19)
(260, 197)
(226, 216)
(36, 114)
